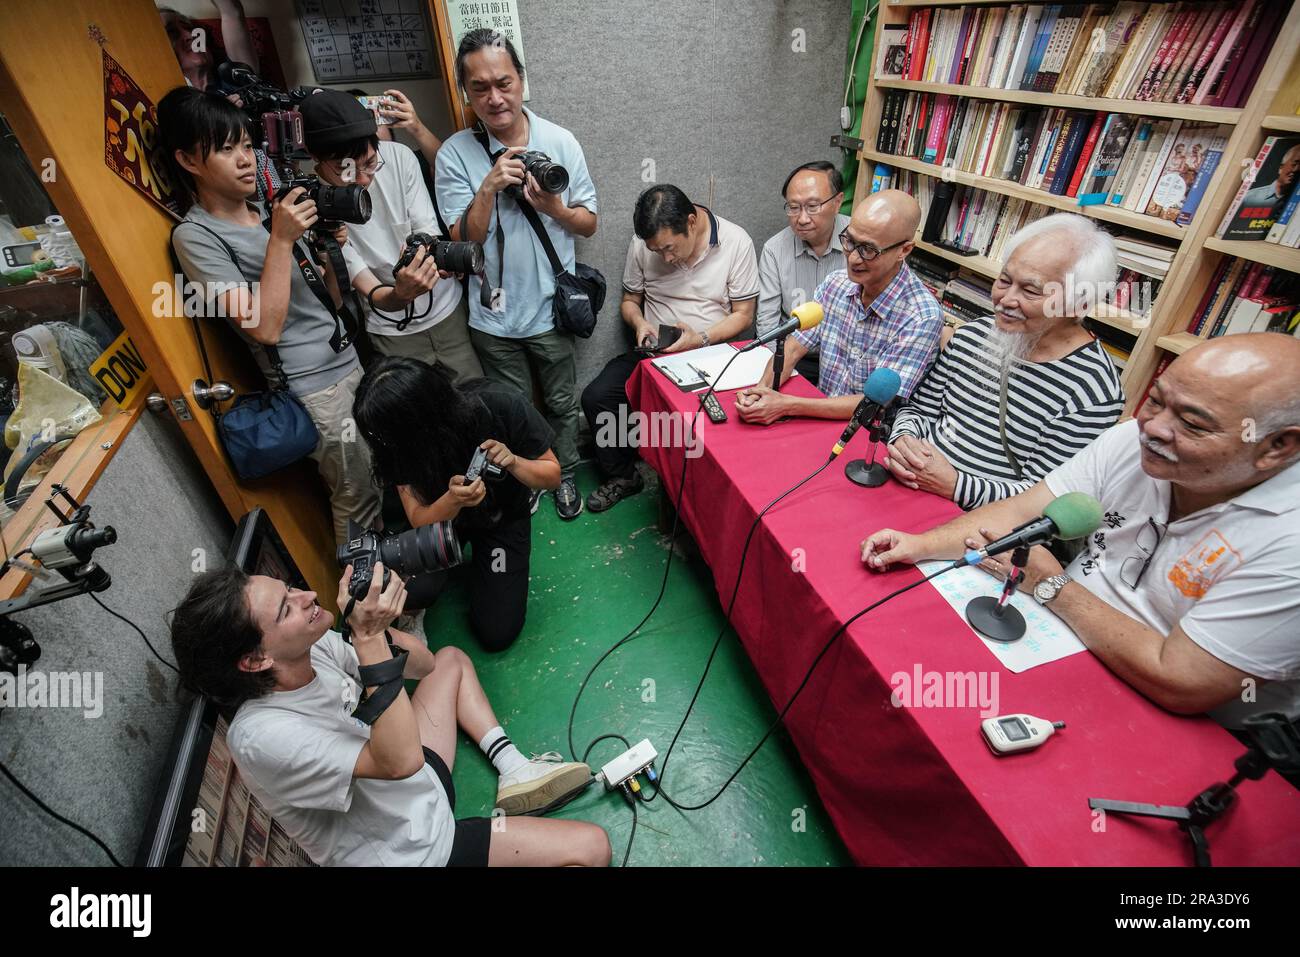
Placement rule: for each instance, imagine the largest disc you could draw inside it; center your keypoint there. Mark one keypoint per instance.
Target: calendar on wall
(350, 40)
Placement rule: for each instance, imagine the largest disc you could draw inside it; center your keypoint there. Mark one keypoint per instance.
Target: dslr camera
(550, 175)
(428, 548)
(464, 258)
(480, 466)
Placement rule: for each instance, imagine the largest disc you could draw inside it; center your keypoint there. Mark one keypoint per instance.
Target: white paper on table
(1047, 638)
(745, 370)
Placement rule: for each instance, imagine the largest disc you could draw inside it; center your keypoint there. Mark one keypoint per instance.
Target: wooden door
(52, 92)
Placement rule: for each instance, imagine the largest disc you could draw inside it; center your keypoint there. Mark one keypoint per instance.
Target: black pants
(498, 582)
(601, 400)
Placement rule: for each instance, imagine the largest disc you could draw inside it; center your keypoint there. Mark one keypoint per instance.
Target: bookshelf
(1269, 108)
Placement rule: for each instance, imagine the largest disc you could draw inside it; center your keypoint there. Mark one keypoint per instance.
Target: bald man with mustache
(1190, 589)
(879, 315)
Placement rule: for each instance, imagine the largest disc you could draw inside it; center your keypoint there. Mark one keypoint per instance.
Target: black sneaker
(614, 491)
(568, 504)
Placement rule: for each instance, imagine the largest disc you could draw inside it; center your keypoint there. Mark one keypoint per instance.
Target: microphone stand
(868, 472)
(778, 364)
(997, 618)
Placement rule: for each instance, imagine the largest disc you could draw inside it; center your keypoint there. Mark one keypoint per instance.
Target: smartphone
(666, 336)
(373, 103)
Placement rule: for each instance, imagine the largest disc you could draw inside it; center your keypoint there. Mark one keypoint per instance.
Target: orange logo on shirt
(1205, 563)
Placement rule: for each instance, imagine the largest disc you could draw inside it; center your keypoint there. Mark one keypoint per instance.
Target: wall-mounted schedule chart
(367, 39)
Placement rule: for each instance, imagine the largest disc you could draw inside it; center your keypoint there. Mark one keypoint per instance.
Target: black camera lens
(550, 176)
(465, 258)
(348, 204)
(427, 548)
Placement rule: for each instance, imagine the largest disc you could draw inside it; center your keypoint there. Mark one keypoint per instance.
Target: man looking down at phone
(341, 136)
(1190, 589)
(878, 315)
(689, 273)
(357, 770)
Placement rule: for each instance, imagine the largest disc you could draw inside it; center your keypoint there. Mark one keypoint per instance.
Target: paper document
(703, 366)
(1047, 638)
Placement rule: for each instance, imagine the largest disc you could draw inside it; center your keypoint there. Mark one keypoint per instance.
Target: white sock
(505, 757)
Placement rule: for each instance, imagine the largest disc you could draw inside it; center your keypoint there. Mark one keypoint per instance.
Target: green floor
(592, 580)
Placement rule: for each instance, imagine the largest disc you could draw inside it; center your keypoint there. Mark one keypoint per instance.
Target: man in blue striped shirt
(1017, 394)
(878, 315)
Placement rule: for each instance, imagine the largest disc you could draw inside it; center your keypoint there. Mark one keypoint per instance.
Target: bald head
(890, 214)
(1256, 373)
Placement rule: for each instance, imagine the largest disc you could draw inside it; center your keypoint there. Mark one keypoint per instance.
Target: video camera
(275, 113)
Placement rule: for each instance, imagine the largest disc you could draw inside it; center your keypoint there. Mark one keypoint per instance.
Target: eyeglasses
(372, 167)
(866, 251)
(812, 209)
(1148, 540)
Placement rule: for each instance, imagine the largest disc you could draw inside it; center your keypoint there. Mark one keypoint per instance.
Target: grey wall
(102, 772)
(712, 93)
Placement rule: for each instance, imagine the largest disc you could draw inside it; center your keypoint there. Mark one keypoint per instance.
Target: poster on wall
(131, 147)
(351, 40)
(502, 15)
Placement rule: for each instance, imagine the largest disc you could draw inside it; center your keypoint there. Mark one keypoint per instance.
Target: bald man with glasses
(878, 315)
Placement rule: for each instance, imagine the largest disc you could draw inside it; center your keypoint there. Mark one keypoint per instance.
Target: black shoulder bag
(578, 297)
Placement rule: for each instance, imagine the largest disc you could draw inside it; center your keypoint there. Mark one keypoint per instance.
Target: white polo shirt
(700, 293)
(1229, 574)
(400, 205)
(297, 750)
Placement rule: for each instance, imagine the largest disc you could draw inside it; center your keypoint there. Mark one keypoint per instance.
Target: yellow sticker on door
(120, 371)
(1205, 563)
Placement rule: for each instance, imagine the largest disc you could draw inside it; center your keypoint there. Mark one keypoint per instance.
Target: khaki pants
(447, 342)
(342, 456)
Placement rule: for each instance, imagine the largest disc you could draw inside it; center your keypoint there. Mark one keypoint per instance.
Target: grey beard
(1006, 349)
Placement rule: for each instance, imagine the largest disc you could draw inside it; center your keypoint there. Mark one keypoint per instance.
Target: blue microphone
(880, 388)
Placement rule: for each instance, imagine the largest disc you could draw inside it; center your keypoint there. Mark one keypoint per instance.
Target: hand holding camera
(417, 277)
(291, 216)
(507, 172)
(377, 607)
(466, 494)
(497, 455)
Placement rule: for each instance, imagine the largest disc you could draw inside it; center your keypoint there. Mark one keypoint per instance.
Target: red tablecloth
(917, 785)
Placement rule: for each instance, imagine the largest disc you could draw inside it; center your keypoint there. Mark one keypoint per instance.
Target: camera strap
(345, 330)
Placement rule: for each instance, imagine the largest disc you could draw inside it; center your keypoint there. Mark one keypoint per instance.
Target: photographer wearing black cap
(416, 310)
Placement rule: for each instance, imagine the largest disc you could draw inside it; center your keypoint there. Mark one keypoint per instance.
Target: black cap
(332, 119)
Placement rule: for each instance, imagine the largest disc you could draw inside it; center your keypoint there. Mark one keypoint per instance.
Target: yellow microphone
(802, 317)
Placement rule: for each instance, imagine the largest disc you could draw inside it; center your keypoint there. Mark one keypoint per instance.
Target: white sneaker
(544, 783)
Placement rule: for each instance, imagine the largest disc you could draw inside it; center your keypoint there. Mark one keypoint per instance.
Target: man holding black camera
(474, 169)
(417, 310)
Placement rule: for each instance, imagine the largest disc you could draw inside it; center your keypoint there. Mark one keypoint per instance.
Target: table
(917, 785)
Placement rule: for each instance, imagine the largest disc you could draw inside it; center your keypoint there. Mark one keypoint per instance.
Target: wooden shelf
(1178, 111)
(1178, 342)
(1120, 319)
(1258, 251)
(1122, 217)
(1287, 124)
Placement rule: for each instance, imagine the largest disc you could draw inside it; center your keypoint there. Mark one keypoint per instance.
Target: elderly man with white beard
(1190, 589)
(1016, 394)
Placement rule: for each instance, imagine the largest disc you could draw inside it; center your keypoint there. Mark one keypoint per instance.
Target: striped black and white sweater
(1054, 410)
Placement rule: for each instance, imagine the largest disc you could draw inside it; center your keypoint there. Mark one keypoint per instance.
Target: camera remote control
(713, 409)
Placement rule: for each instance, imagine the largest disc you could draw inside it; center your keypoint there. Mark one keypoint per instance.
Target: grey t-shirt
(304, 346)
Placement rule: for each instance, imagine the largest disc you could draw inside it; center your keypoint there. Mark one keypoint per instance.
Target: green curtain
(859, 93)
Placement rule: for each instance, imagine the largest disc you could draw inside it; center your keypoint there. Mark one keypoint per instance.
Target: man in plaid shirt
(878, 315)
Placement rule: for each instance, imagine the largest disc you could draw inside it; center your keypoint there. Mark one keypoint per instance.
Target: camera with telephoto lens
(428, 548)
(464, 258)
(334, 204)
(550, 175)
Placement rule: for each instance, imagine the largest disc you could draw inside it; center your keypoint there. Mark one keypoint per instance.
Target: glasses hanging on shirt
(1130, 573)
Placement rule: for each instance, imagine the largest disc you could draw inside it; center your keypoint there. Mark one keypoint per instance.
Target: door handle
(205, 396)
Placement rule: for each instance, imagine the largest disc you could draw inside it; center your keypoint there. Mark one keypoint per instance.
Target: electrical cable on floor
(57, 816)
(616, 737)
(96, 600)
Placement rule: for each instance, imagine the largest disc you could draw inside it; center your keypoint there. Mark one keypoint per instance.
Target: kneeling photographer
(253, 267)
(417, 310)
(355, 769)
(470, 455)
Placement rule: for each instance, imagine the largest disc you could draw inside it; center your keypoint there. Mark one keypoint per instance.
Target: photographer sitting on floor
(359, 775)
(423, 433)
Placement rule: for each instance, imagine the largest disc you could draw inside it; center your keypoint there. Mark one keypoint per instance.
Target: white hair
(1094, 268)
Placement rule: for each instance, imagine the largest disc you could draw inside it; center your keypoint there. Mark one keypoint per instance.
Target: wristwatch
(1049, 588)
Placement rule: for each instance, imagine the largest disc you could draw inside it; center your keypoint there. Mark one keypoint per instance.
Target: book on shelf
(1244, 296)
(1192, 159)
(891, 53)
(1263, 195)
(1207, 52)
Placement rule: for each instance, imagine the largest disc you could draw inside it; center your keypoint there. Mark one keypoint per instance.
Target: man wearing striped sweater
(1016, 394)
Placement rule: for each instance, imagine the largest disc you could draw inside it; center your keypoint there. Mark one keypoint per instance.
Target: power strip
(628, 764)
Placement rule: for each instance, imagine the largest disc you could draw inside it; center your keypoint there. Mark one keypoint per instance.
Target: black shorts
(469, 847)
